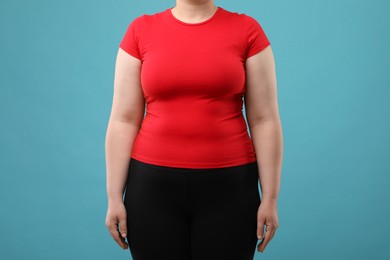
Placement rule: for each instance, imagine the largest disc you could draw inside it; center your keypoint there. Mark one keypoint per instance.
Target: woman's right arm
(125, 120)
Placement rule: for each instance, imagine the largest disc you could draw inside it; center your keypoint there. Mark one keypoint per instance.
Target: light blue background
(57, 67)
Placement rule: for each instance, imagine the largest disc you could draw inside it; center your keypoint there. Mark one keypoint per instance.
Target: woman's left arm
(262, 113)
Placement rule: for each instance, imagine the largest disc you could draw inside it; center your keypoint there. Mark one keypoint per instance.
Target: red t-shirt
(193, 81)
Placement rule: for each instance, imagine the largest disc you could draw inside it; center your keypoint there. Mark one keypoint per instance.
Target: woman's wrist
(115, 198)
(269, 200)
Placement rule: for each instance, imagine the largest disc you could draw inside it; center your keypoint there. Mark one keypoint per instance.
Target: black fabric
(198, 214)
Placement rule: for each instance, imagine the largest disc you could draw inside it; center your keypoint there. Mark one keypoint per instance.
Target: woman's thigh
(158, 227)
(224, 204)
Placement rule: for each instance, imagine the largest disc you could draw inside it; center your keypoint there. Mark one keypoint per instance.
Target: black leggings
(192, 214)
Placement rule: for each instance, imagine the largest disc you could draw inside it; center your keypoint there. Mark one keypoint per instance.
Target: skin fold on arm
(262, 113)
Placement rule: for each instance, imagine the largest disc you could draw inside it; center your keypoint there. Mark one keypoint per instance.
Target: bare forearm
(268, 143)
(119, 144)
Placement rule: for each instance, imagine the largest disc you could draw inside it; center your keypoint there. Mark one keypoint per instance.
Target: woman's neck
(193, 11)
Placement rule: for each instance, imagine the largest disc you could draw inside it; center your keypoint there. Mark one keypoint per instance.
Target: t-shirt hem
(130, 52)
(258, 49)
(198, 165)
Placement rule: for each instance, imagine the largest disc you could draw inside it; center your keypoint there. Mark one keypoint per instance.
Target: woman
(189, 167)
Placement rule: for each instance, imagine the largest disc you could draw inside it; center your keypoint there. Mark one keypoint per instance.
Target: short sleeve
(130, 39)
(257, 39)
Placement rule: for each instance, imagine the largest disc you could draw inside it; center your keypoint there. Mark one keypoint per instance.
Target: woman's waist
(206, 129)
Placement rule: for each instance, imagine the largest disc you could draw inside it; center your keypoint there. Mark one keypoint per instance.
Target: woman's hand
(116, 214)
(267, 215)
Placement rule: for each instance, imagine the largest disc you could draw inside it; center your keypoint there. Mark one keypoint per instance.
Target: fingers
(123, 226)
(266, 239)
(116, 223)
(269, 234)
(114, 232)
(273, 233)
(260, 228)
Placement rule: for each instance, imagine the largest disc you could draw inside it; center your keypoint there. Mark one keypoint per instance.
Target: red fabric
(193, 81)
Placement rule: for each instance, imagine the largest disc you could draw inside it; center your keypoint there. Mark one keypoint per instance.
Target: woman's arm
(125, 120)
(127, 112)
(262, 113)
